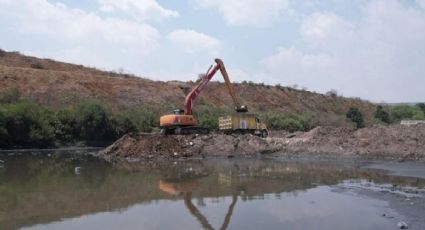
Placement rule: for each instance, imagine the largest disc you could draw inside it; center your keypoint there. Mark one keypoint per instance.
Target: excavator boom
(223, 71)
(219, 65)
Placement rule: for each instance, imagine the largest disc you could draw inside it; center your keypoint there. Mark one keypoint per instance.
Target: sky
(372, 49)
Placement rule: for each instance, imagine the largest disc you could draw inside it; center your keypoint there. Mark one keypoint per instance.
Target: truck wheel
(178, 131)
(264, 133)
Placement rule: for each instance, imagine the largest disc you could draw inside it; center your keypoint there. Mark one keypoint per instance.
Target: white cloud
(247, 12)
(323, 25)
(421, 3)
(377, 57)
(139, 9)
(191, 41)
(110, 42)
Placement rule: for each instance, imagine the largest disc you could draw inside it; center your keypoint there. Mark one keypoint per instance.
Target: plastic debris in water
(403, 225)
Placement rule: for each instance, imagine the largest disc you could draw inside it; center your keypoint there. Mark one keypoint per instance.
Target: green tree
(28, 125)
(144, 118)
(382, 115)
(355, 116)
(207, 115)
(122, 125)
(67, 128)
(284, 122)
(421, 106)
(94, 122)
(3, 130)
(401, 112)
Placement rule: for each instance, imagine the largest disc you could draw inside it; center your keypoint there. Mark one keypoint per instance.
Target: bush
(421, 106)
(27, 125)
(401, 112)
(208, 116)
(2, 53)
(122, 125)
(144, 118)
(382, 115)
(3, 131)
(67, 128)
(355, 116)
(332, 93)
(94, 123)
(37, 65)
(284, 122)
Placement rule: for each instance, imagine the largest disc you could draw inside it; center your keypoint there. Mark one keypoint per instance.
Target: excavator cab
(178, 111)
(241, 109)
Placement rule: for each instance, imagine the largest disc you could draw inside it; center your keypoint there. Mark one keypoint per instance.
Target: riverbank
(396, 142)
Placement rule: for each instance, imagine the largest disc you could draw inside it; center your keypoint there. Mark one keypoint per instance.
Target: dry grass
(59, 84)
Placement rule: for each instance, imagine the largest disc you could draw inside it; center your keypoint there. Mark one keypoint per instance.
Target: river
(74, 190)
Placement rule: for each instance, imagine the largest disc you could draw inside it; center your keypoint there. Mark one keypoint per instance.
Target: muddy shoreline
(394, 143)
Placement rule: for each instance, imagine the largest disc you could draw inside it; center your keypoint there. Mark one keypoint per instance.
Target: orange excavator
(183, 121)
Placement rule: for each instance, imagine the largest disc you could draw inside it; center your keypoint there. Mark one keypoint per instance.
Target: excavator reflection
(186, 189)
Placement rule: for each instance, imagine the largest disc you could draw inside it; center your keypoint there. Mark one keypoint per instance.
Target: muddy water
(65, 190)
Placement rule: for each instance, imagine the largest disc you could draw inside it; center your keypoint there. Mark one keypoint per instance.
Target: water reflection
(43, 192)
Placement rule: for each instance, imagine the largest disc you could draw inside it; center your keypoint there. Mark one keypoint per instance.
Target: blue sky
(373, 49)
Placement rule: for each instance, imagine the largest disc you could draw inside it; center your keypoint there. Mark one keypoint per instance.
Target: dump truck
(242, 123)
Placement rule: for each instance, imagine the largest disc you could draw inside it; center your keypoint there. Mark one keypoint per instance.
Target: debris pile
(153, 146)
(380, 142)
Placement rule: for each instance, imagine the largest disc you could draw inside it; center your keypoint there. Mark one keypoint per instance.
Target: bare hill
(59, 84)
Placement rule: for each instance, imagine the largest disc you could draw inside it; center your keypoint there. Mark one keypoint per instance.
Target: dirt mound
(378, 142)
(397, 141)
(150, 146)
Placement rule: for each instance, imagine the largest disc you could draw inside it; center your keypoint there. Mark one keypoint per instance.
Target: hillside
(58, 84)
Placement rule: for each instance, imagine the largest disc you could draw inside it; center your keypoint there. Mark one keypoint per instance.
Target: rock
(403, 225)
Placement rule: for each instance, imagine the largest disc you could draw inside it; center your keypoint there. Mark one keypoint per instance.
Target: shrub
(2, 53)
(355, 116)
(421, 106)
(67, 128)
(144, 118)
(284, 122)
(27, 125)
(94, 122)
(3, 130)
(382, 115)
(332, 93)
(208, 116)
(401, 112)
(37, 65)
(122, 125)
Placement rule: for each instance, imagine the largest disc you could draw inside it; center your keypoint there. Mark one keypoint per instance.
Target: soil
(397, 142)
(151, 146)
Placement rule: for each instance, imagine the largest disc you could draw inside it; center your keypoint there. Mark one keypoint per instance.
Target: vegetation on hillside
(356, 116)
(28, 124)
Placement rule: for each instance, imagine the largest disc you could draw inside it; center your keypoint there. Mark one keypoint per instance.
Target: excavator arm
(219, 65)
(223, 71)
